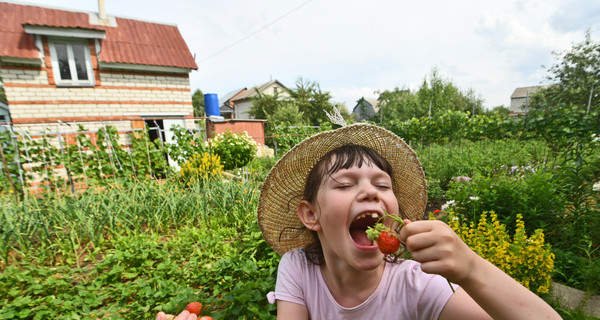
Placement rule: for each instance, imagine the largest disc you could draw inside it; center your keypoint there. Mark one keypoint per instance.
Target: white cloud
(571, 15)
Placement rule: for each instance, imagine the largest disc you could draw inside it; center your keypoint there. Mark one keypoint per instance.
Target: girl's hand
(185, 315)
(439, 249)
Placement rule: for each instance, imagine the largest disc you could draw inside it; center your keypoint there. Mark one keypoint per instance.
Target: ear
(308, 216)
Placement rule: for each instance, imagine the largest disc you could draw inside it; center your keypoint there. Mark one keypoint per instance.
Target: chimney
(101, 10)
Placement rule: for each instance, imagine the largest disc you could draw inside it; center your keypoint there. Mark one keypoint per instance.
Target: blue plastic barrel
(211, 104)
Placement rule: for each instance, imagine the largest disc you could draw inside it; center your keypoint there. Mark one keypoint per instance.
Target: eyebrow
(348, 172)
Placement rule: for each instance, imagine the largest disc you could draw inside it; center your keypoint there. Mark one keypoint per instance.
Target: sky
(354, 49)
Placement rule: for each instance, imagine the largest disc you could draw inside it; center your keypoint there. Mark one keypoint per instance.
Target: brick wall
(33, 97)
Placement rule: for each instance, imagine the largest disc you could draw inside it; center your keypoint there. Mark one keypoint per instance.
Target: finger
(420, 241)
(163, 316)
(192, 316)
(183, 315)
(413, 228)
(436, 267)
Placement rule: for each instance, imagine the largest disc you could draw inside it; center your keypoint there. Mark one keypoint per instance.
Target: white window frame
(74, 81)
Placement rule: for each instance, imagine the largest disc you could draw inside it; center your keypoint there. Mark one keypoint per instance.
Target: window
(71, 63)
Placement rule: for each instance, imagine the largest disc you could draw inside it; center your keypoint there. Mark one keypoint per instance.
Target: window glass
(71, 62)
(79, 56)
(63, 61)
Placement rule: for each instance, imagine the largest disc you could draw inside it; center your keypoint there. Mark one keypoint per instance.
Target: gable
(129, 42)
(369, 105)
(524, 91)
(266, 88)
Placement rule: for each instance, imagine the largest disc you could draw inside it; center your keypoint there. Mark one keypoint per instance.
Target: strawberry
(386, 239)
(194, 307)
(205, 318)
(387, 242)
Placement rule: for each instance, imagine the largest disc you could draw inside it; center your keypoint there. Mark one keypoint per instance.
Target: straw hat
(283, 188)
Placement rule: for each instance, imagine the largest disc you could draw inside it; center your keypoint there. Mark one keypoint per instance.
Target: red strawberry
(194, 307)
(387, 242)
(205, 318)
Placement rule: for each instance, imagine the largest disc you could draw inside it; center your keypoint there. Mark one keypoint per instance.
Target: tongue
(360, 237)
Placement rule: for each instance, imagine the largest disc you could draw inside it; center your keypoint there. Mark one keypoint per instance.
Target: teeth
(373, 215)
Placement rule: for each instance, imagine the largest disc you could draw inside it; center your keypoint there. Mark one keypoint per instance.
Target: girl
(315, 206)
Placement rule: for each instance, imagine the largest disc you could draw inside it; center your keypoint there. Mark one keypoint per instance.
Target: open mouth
(358, 228)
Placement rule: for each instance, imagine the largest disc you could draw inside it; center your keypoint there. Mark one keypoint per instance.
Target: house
(226, 106)
(519, 100)
(238, 102)
(365, 108)
(61, 66)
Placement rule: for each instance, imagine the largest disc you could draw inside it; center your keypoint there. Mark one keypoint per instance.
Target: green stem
(451, 287)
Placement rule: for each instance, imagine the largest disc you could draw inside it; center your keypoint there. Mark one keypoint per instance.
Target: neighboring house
(226, 103)
(365, 109)
(519, 100)
(62, 66)
(240, 101)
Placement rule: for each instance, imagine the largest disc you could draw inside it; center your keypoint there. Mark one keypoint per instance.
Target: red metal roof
(131, 41)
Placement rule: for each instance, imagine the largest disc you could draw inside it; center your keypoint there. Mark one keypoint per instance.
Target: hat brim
(283, 188)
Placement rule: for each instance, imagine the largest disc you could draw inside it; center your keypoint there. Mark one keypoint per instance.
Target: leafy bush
(576, 271)
(528, 260)
(287, 137)
(188, 145)
(200, 168)
(258, 168)
(533, 195)
(452, 126)
(234, 149)
(480, 158)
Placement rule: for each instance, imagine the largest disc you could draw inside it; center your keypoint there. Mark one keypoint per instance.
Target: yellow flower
(527, 259)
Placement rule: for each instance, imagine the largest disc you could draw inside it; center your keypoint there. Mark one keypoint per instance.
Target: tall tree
(307, 97)
(198, 103)
(567, 111)
(440, 95)
(312, 101)
(264, 105)
(397, 104)
(434, 97)
(574, 78)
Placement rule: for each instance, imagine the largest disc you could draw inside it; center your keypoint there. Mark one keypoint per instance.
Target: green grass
(122, 252)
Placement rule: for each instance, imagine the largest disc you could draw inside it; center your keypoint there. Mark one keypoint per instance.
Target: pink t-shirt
(404, 292)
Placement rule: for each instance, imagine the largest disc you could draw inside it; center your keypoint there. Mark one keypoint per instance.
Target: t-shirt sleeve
(290, 278)
(432, 293)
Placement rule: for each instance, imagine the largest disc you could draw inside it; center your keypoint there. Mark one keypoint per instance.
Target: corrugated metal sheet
(131, 41)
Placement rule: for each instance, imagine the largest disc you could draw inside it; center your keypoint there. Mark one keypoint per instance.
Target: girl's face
(347, 202)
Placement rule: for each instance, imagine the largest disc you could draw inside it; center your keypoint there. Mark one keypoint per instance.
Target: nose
(369, 193)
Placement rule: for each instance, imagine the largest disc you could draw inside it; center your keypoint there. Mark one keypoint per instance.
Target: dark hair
(343, 157)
